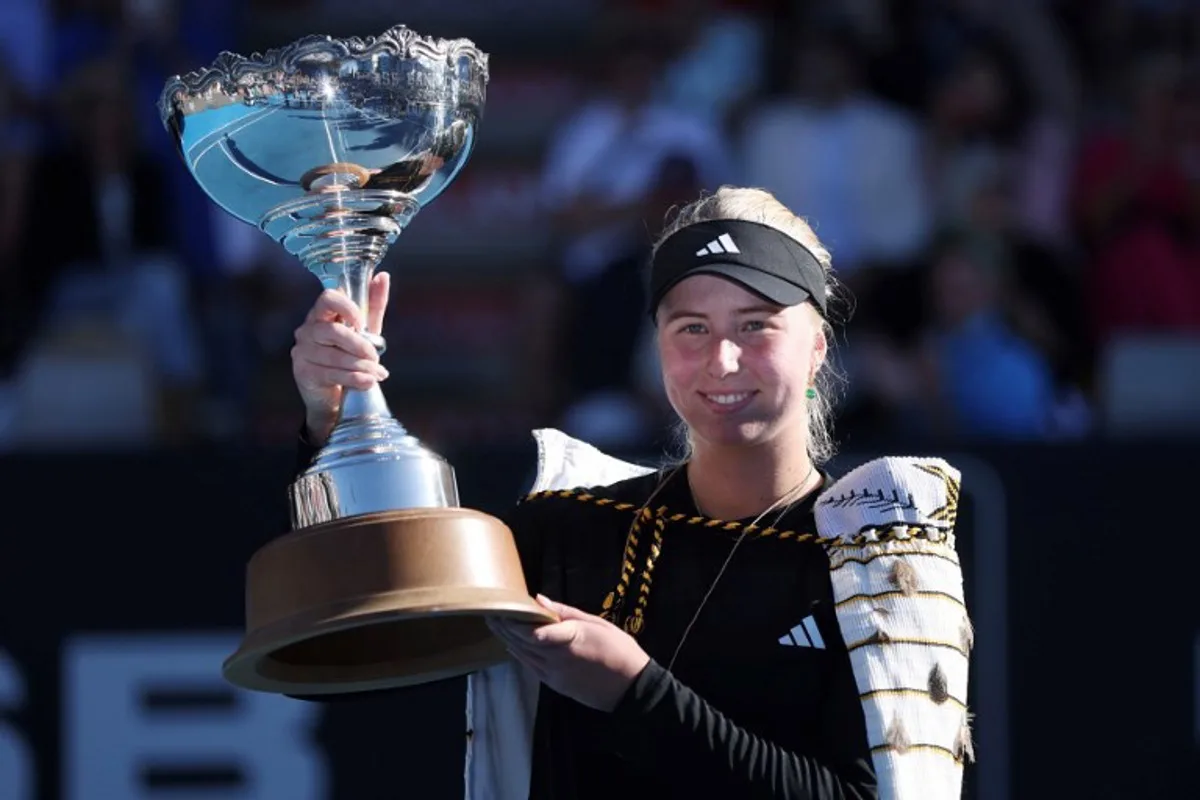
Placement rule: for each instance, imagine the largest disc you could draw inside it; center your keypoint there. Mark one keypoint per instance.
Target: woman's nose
(724, 359)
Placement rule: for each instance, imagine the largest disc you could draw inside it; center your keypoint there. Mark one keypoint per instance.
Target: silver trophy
(331, 147)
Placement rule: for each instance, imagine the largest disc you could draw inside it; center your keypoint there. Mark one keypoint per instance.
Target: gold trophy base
(379, 601)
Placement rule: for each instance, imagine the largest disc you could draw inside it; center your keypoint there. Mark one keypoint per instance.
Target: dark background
(1079, 570)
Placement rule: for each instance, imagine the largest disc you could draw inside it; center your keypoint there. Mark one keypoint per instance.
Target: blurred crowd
(1010, 192)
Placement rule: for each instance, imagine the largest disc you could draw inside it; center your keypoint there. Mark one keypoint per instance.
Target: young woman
(700, 649)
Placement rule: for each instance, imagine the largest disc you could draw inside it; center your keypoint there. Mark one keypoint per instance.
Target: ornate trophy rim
(398, 40)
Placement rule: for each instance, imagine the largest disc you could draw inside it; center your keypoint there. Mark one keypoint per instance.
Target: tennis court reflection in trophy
(331, 147)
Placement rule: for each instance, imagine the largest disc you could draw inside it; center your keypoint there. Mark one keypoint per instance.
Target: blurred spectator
(603, 161)
(720, 67)
(851, 164)
(985, 193)
(102, 202)
(848, 160)
(971, 118)
(25, 78)
(606, 327)
(1135, 199)
(611, 172)
(18, 137)
(26, 45)
(992, 382)
(971, 375)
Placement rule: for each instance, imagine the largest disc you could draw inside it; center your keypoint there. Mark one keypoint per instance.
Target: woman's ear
(820, 346)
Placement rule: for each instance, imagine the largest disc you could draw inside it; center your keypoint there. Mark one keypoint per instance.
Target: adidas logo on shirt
(804, 635)
(722, 244)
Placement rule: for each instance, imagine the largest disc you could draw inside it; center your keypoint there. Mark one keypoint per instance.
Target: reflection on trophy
(331, 147)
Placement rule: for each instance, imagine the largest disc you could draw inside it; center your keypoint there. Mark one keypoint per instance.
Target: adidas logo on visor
(722, 244)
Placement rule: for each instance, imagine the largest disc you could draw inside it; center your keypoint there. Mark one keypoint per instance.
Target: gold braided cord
(614, 602)
(863, 538)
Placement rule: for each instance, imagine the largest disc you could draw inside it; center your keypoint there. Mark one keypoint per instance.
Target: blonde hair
(758, 205)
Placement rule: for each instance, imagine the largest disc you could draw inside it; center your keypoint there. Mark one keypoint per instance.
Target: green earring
(810, 393)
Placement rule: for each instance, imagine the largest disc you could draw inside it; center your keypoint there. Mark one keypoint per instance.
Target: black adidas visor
(763, 260)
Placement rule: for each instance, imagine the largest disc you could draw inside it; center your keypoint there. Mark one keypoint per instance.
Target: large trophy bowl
(331, 146)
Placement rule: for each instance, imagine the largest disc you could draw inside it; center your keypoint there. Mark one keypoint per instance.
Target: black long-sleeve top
(756, 703)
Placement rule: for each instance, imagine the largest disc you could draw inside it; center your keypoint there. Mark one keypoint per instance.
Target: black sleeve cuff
(648, 689)
(644, 710)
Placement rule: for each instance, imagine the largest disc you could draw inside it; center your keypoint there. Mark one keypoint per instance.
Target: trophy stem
(365, 424)
(341, 236)
(360, 405)
(355, 281)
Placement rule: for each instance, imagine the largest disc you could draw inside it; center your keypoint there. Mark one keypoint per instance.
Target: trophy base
(379, 601)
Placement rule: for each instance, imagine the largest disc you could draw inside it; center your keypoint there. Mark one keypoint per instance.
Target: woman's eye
(755, 325)
(694, 327)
